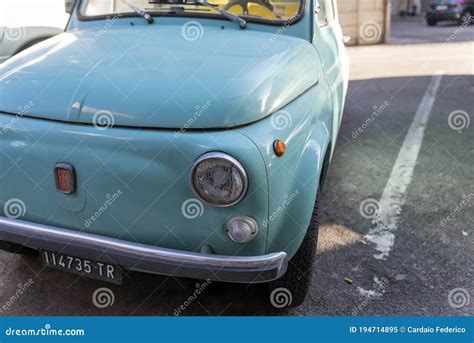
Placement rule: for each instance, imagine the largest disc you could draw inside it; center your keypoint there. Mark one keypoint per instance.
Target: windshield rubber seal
(217, 16)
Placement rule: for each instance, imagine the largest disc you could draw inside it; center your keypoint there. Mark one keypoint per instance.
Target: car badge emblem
(65, 176)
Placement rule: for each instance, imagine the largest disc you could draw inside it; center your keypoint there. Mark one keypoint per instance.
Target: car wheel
(292, 289)
(15, 248)
(431, 22)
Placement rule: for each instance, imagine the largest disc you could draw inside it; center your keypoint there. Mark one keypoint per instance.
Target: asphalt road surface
(417, 260)
(410, 30)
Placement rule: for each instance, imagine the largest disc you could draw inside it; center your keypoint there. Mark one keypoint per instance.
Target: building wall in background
(365, 21)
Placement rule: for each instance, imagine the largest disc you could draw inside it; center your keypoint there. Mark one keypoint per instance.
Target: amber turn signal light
(279, 147)
(65, 176)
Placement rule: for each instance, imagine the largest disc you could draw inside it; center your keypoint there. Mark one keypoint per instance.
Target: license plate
(441, 7)
(82, 266)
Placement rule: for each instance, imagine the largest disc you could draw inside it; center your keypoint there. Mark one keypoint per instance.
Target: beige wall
(365, 21)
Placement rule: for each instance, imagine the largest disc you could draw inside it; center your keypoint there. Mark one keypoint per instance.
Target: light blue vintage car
(174, 137)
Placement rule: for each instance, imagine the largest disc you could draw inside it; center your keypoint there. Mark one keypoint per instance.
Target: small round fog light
(242, 229)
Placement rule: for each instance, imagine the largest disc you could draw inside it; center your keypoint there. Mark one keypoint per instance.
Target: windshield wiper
(231, 16)
(141, 12)
(226, 14)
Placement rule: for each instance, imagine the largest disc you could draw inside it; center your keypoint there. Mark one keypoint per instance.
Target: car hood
(160, 77)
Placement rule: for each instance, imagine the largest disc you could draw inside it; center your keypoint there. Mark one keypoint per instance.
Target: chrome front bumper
(146, 258)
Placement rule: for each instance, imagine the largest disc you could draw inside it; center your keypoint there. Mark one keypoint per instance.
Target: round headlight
(219, 179)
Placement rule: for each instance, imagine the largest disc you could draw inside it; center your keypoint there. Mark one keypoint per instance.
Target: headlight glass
(219, 179)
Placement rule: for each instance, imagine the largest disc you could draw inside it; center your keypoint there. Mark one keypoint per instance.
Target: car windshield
(261, 10)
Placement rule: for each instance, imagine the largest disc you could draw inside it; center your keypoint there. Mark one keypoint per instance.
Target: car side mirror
(69, 5)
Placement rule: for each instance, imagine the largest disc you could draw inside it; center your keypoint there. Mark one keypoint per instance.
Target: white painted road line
(393, 196)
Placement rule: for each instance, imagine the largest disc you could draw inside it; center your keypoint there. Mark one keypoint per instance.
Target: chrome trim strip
(146, 258)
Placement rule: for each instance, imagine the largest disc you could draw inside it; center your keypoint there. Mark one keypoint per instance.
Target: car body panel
(166, 66)
(328, 40)
(293, 179)
(150, 168)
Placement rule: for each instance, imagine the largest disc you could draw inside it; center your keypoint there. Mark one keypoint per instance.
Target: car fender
(293, 179)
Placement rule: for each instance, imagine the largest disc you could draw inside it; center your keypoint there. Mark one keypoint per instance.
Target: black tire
(431, 22)
(295, 284)
(15, 248)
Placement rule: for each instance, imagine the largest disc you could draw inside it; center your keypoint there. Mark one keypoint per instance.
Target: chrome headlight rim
(228, 158)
